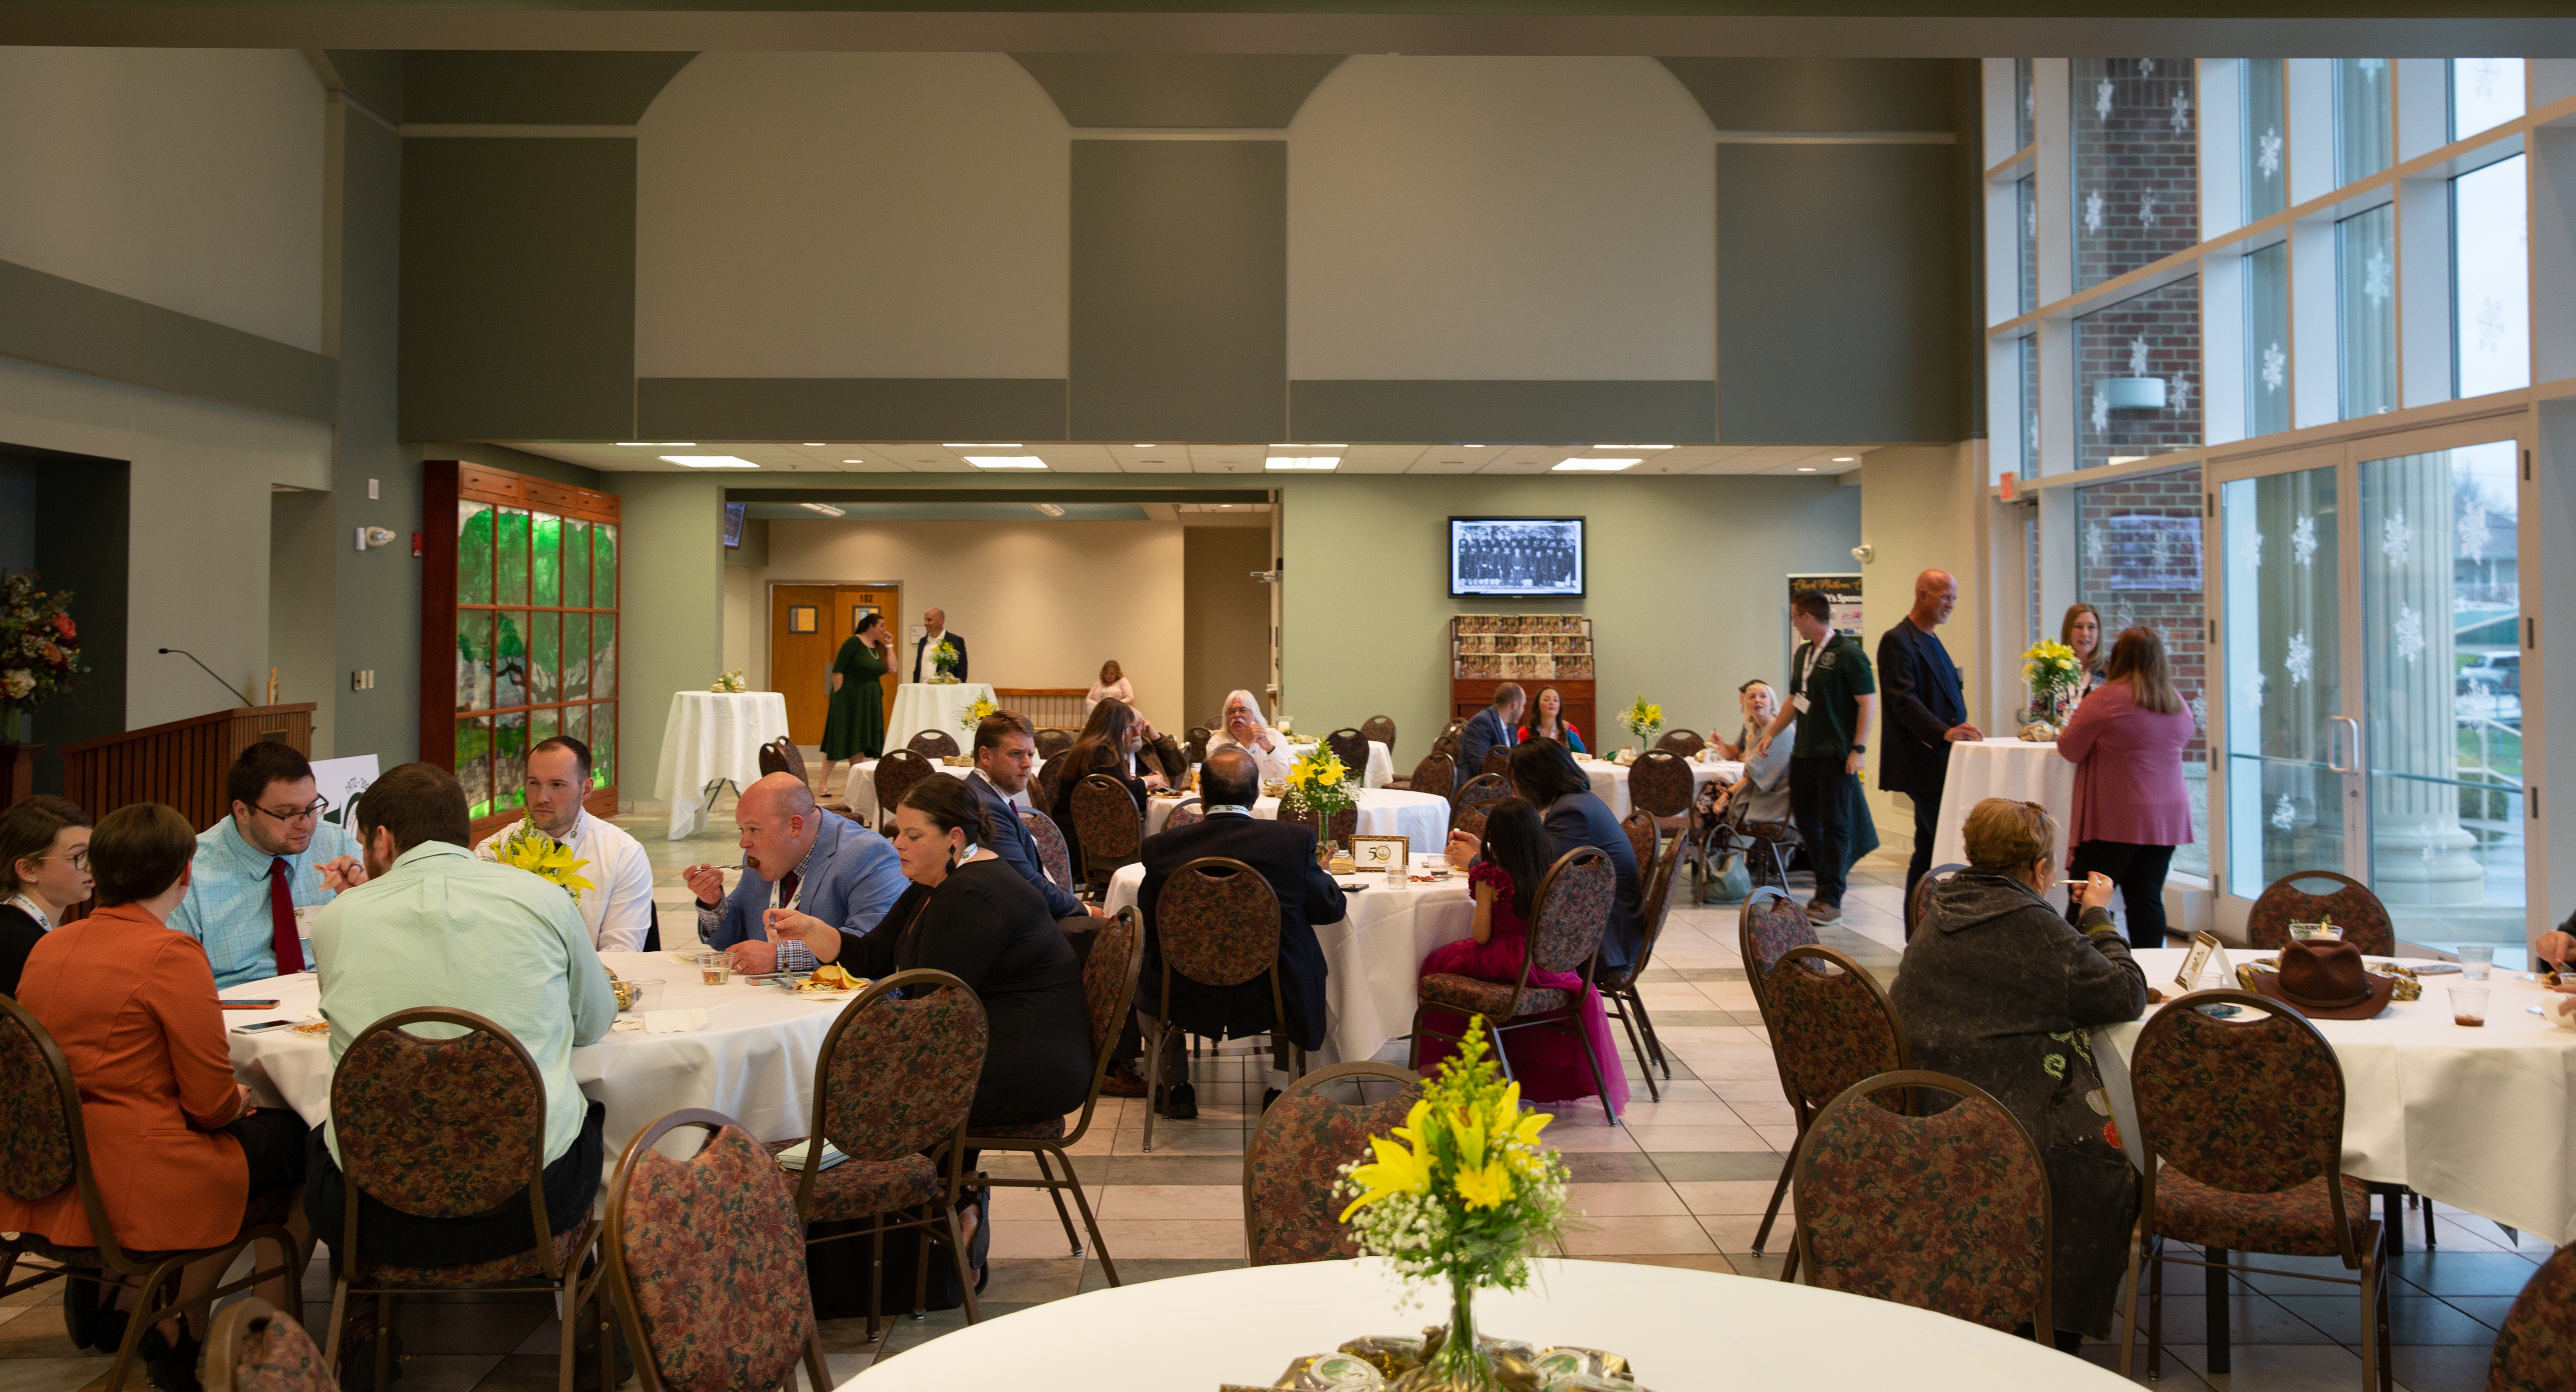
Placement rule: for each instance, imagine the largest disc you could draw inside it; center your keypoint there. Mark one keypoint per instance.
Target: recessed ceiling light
(710, 461)
(1630, 447)
(1149, 447)
(1012, 445)
(1049, 509)
(854, 461)
(657, 444)
(816, 444)
(1842, 459)
(1582, 465)
(1310, 462)
(1006, 461)
(1225, 505)
(1310, 447)
(824, 508)
(1806, 468)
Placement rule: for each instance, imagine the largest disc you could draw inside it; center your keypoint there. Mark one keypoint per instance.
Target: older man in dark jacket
(1927, 711)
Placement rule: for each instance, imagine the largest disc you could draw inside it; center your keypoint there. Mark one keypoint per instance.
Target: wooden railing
(1047, 707)
(182, 763)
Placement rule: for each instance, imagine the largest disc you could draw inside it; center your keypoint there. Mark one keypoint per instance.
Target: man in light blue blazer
(1490, 728)
(794, 855)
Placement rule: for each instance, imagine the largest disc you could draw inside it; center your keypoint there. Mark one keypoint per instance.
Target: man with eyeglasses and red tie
(255, 868)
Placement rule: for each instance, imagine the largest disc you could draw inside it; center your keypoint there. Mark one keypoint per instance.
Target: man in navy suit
(934, 631)
(1927, 712)
(1006, 757)
(821, 865)
(1490, 728)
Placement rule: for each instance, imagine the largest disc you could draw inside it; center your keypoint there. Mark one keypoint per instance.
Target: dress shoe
(1123, 1081)
(81, 1323)
(1818, 911)
(1268, 1096)
(1180, 1102)
(174, 1367)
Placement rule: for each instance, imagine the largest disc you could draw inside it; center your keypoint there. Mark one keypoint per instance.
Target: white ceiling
(899, 458)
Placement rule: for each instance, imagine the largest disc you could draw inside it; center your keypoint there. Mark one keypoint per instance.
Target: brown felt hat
(2325, 981)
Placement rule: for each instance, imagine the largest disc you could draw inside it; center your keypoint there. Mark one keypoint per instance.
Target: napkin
(674, 1021)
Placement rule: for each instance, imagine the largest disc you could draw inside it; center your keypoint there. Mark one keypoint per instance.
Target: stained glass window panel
(603, 745)
(474, 659)
(576, 657)
(603, 566)
(510, 660)
(510, 557)
(545, 655)
(603, 655)
(576, 722)
(547, 566)
(474, 763)
(544, 723)
(510, 762)
(473, 553)
(576, 564)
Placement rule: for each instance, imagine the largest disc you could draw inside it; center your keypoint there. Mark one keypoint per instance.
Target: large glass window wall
(2136, 164)
(2138, 563)
(2137, 377)
(2362, 118)
(2490, 280)
(2485, 93)
(2366, 311)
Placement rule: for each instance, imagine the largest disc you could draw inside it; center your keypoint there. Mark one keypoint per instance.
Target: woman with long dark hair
(2131, 808)
(1107, 744)
(855, 727)
(1547, 721)
(1549, 1063)
(1546, 775)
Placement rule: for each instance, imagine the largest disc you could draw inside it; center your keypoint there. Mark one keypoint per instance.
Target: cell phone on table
(261, 1026)
(268, 1004)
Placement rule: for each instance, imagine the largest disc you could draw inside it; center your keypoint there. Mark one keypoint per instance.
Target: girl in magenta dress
(1548, 1062)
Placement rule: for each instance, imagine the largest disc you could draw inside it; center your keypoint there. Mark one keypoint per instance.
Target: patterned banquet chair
(1619, 994)
(1110, 826)
(1498, 763)
(2536, 1352)
(1682, 742)
(1345, 824)
(892, 1085)
(1435, 774)
(1380, 729)
(1054, 740)
(1108, 990)
(1921, 898)
(1186, 812)
(1044, 787)
(1831, 1025)
(1218, 923)
(44, 1149)
(782, 756)
(706, 1263)
(2241, 1122)
(253, 1348)
(1053, 857)
(2350, 903)
(1660, 785)
(1640, 826)
(896, 774)
(447, 1128)
(1195, 745)
(1475, 802)
(933, 744)
(1769, 924)
(1352, 748)
(1292, 1161)
(1567, 917)
(1946, 1212)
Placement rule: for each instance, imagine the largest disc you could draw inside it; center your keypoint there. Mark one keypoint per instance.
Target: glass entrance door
(2293, 789)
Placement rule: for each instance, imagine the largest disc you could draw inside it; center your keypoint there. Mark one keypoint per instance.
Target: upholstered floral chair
(1294, 1158)
(1946, 1212)
(706, 1263)
(1640, 826)
(2241, 1121)
(1660, 785)
(448, 1128)
(1379, 729)
(1769, 924)
(2537, 1350)
(1344, 825)
(933, 744)
(1567, 917)
(1831, 1025)
(1053, 857)
(896, 773)
(1682, 742)
(2348, 902)
(253, 1348)
(1477, 799)
(1218, 923)
(1619, 994)
(1921, 898)
(1351, 747)
(1108, 825)
(1189, 811)
(1436, 774)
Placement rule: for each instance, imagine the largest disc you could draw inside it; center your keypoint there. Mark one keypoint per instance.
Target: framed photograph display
(1516, 557)
(1379, 853)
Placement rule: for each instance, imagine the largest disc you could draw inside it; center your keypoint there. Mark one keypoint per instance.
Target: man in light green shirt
(435, 926)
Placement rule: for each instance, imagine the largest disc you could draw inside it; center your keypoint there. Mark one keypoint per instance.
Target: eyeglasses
(300, 814)
(79, 858)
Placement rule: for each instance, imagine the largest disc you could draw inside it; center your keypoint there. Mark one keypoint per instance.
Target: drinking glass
(2476, 959)
(2468, 1005)
(648, 994)
(714, 968)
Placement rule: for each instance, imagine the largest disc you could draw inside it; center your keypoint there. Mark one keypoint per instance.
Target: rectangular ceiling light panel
(710, 461)
(1006, 461)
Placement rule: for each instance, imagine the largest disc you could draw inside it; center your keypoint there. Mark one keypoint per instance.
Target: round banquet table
(861, 791)
(920, 706)
(2004, 768)
(1421, 818)
(1372, 956)
(1381, 764)
(1610, 780)
(711, 737)
(2478, 1118)
(754, 1060)
(1681, 1331)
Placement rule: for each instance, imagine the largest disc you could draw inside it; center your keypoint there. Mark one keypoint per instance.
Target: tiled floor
(1682, 1184)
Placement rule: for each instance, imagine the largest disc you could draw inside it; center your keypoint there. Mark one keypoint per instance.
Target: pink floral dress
(1548, 1062)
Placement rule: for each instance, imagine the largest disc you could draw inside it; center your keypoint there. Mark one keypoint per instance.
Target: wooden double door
(807, 625)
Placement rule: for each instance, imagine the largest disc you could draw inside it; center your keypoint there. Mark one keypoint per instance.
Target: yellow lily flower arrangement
(543, 856)
(1464, 1191)
(1318, 782)
(974, 713)
(1643, 717)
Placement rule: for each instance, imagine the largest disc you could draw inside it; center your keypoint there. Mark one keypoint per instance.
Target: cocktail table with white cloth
(1681, 1331)
(2004, 768)
(709, 739)
(920, 706)
(1372, 955)
(861, 791)
(2475, 1117)
(1610, 780)
(1421, 818)
(1381, 763)
(754, 1061)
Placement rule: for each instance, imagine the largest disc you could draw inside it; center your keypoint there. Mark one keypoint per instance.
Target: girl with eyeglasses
(44, 871)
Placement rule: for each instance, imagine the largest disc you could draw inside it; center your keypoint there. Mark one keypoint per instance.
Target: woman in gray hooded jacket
(1997, 988)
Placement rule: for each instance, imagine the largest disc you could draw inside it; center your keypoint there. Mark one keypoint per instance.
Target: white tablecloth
(861, 791)
(1610, 781)
(920, 706)
(754, 1061)
(1381, 764)
(1372, 956)
(710, 737)
(2479, 1118)
(1683, 1331)
(1421, 818)
(2004, 768)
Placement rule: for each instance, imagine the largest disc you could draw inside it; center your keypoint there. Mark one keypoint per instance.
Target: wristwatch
(1860, 749)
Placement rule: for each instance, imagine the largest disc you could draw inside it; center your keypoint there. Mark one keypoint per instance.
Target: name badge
(1800, 702)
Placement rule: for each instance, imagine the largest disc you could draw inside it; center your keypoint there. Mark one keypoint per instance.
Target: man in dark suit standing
(934, 631)
(1927, 712)
(1490, 728)
(1284, 854)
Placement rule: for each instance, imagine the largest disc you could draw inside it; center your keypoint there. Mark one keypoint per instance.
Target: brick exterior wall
(2149, 530)
(2136, 163)
(2156, 334)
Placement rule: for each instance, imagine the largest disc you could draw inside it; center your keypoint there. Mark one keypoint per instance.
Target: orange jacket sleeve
(179, 990)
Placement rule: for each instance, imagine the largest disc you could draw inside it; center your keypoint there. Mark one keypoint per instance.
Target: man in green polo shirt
(1832, 699)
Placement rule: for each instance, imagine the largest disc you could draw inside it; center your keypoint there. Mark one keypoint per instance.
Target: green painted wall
(377, 598)
(673, 599)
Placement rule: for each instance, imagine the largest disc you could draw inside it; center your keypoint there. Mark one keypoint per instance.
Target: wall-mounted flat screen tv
(1516, 557)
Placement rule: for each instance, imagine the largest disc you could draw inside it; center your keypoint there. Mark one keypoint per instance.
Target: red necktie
(281, 918)
(787, 890)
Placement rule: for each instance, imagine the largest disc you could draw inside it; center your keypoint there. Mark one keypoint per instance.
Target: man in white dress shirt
(1245, 728)
(620, 907)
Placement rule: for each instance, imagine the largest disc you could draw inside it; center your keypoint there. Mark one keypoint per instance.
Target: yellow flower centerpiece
(1643, 718)
(2053, 674)
(730, 683)
(544, 857)
(1463, 1192)
(974, 713)
(1319, 782)
(943, 664)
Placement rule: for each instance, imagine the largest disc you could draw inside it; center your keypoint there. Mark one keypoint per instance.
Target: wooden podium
(182, 763)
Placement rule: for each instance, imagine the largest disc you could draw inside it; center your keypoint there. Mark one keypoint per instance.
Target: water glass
(2468, 1005)
(2476, 960)
(714, 968)
(648, 994)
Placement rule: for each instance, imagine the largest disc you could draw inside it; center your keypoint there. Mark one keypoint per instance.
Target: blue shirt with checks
(226, 906)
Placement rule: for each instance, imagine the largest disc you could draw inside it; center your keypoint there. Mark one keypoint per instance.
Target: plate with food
(827, 982)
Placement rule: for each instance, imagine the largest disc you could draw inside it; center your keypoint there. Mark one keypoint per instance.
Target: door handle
(2355, 727)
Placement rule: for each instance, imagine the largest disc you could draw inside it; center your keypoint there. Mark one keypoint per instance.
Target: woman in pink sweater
(2131, 810)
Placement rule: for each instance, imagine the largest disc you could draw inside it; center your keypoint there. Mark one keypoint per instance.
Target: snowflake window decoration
(2284, 815)
(2102, 99)
(2181, 112)
(2101, 408)
(2030, 220)
(2146, 67)
(2473, 531)
(2200, 712)
(2378, 277)
(2276, 367)
(2371, 68)
(2490, 324)
(2093, 211)
(2138, 356)
(2396, 539)
(2178, 392)
(2147, 208)
(2267, 152)
(2410, 634)
(2262, 682)
(2095, 544)
(2303, 541)
(2300, 660)
(2484, 73)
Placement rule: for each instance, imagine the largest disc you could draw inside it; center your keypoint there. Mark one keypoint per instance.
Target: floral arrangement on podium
(544, 857)
(39, 650)
(730, 683)
(974, 712)
(2052, 672)
(1318, 782)
(1642, 719)
(943, 664)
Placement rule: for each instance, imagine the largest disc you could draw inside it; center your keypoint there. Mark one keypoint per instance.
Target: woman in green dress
(855, 729)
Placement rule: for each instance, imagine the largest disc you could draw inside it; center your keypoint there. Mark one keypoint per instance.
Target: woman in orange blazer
(178, 1149)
